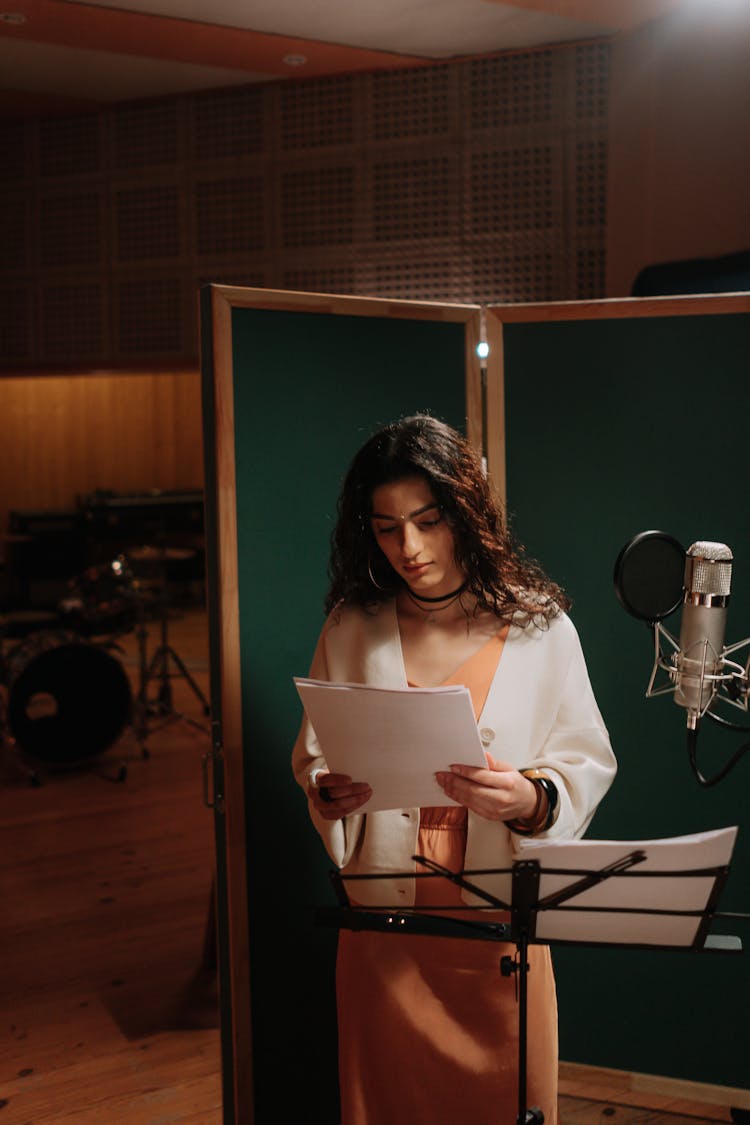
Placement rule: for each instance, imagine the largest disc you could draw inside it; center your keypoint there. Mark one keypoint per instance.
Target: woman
(427, 589)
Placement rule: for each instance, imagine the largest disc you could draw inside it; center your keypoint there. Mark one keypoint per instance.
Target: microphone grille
(708, 568)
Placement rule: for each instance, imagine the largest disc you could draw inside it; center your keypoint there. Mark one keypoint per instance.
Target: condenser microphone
(700, 660)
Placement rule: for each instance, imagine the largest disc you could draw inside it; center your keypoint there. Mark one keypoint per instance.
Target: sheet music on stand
(662, 893)
(664, 900)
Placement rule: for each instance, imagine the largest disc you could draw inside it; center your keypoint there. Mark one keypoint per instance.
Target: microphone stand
(733, 683)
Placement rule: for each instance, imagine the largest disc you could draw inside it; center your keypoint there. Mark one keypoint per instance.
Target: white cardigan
(540, 711)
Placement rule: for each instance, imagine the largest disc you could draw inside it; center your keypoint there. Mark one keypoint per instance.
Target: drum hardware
(165, 665)
(101, 601)
(64, 702)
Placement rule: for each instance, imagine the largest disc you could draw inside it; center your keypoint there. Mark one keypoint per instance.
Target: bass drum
(67, 699)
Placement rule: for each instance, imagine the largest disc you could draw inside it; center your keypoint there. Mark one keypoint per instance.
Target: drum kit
(65, 696)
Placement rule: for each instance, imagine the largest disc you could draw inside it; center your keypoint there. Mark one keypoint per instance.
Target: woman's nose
(411, 542)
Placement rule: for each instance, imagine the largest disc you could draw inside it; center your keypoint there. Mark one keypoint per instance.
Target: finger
(489, 801)
(496, 765)
(495, 779)
(340, 807)
(337, 792)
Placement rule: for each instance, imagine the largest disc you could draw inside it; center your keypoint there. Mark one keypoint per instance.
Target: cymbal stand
(164, 666)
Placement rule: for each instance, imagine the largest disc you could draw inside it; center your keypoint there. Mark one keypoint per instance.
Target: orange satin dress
(428, 1027)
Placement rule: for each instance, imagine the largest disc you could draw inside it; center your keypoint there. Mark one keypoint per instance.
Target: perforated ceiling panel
(482, 180)
(515, 189)
(434, 280)
(591, 71)
(230, 216)
(146, 134)
(256, 279)
(14, 145)
(149, 316)
(70, 145)
(14, 229)
(415, 198)
(412, 103)
(72, 321)
(70, 229)
(317, 207)
(15, 324)
(514, 91)
(227, 123)
(335, 279)
(591, 183)
(317, 114)
(148, 222)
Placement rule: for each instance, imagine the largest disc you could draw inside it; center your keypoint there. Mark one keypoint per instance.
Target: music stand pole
(525, 876)
(525, 882)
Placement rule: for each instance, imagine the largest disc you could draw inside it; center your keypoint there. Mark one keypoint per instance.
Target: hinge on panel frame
(212, 799)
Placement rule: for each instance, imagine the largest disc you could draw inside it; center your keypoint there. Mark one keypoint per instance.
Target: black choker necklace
(442, 598)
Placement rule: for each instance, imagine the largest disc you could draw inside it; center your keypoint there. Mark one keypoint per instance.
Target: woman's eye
(385, 530)
(427, 524)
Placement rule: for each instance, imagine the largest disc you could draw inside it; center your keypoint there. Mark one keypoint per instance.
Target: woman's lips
(415, 570)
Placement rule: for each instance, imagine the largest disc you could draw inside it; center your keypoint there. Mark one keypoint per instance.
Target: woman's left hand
(498, 792)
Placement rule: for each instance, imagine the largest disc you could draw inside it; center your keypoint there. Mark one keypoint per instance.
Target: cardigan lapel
(383, 658)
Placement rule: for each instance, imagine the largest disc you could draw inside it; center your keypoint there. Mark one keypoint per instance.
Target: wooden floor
(591, 1096)
(107, 1015)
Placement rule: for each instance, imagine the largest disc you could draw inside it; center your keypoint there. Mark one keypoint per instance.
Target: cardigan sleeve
(576, 752)
(339, 836)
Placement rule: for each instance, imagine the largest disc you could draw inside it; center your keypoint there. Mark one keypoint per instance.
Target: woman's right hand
(335, 795)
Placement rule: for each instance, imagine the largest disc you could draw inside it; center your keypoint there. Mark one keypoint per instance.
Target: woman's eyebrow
(411, 516)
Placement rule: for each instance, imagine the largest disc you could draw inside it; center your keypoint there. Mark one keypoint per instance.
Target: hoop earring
(372, 576)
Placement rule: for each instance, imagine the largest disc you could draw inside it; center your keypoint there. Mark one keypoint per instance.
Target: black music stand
(524, 908)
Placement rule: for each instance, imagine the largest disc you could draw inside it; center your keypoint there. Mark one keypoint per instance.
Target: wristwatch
(549, 788)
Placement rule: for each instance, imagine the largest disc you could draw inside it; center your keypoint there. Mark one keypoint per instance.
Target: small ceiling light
(15, 19)
(295, 60)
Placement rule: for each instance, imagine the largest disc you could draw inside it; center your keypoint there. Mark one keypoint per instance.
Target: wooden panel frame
(229, 794)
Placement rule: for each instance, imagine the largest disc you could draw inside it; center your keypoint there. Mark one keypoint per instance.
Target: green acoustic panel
(309, 388)
(614, 427)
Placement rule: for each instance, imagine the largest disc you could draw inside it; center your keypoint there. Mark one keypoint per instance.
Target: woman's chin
(418, 577)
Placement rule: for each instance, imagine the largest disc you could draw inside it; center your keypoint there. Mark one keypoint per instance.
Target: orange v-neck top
(477, 674)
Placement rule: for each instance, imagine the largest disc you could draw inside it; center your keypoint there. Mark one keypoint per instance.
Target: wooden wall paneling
(64, 436)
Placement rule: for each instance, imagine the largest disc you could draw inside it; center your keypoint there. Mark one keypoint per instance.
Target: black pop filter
(649, 575)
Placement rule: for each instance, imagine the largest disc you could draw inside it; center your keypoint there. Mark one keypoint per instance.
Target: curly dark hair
(499, 575)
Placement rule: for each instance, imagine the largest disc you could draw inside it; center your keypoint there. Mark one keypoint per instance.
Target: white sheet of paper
(395, 739)
(696, 852)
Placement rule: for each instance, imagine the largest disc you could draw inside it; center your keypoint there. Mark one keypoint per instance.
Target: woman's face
(415, 536)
